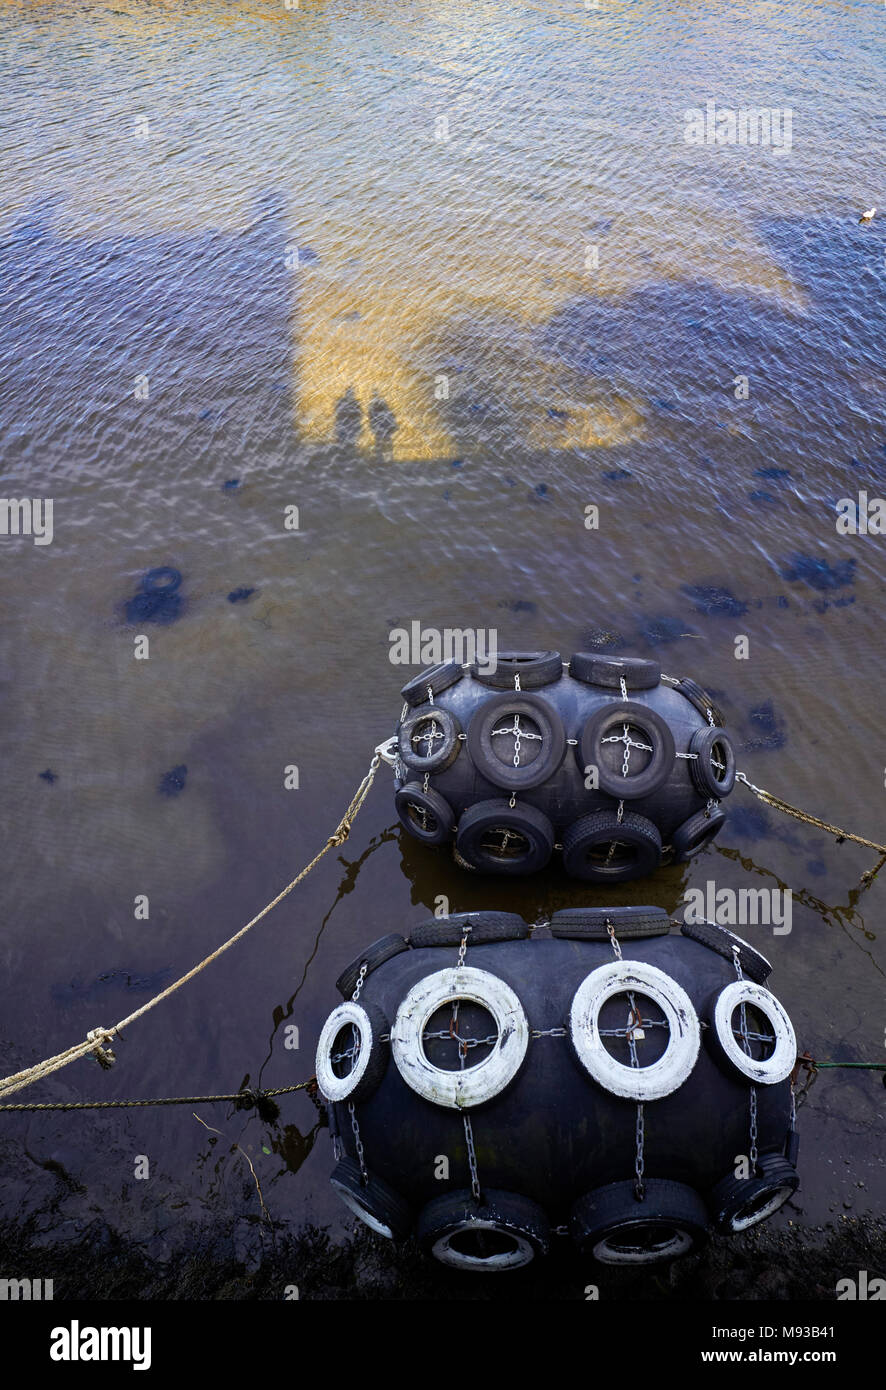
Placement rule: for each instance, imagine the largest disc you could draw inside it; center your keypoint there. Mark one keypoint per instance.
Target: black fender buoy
(519, 1069)
(568, 740)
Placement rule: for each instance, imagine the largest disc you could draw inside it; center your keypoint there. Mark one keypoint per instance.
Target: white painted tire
(460, 1089)
(773, 1069)
(339, 1088)
(679, 1057)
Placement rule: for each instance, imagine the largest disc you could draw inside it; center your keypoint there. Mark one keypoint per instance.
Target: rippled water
(440, 276)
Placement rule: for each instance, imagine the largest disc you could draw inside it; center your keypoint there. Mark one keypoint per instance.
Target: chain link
(472, 1158)
(639, 1161)
(364, 1176)
(359, 985)
(613, 939)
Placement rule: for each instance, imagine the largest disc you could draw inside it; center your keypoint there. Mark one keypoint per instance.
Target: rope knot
(103, 1054)
(251, 1096)
(341, 834)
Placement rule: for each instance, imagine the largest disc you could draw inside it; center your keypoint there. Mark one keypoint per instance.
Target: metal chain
(548, 1033)
(640, 1162)
(746, 1043)
(364, 1176)
(624, 688)
(359, 985)
(613, 938)
(461, 952)
(472, 1158)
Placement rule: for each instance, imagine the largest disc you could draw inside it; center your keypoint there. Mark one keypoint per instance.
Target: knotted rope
(97, 1039)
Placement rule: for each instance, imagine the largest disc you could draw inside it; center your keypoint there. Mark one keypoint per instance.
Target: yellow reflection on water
(413, 236)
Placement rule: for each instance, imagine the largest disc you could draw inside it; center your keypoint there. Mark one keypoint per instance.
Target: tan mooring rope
(97, 1039)
(777, 804)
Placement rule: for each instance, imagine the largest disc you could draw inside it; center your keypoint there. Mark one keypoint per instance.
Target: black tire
(753, 965)
(426, 815)
(439, 678)
(656, 735)
(615, 1228)
(479, 927)
(712, 747)
(584, 856)
(608, 671)
(590, 923)
(375, 955)
(738, 1203)
(535, 669)
(162, 580)
(696, 832)
(513, 1229)
(699, 699)
(373, 1198)
(523, 822)
(409, 733)
(481, 733)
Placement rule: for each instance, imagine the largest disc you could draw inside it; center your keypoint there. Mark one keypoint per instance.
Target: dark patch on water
(173, 782)
(816, 867)
(230, 485)
(555, 414)
(772, 472)
(761, 495)
(749, 823)
(664, 405)
(603, 639)
(768, 728)
(48, 775)
(616, 475)
(517, 605)
(348, 417)
(658, 632)
(715, 600)
(817, 572)
(307, 255)
(239, 595)
(821, 605)
(158, 600)
(154, 608)
(540, 489)
(110, 981)
(382, 420)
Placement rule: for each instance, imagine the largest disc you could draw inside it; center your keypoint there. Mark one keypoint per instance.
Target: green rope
(869, 1066)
